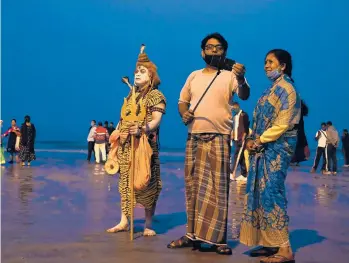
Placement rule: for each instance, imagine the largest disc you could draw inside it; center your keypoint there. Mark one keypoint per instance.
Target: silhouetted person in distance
(332, 145)
(345, 145)
(302, 152)
(27, 141)
(91, 141)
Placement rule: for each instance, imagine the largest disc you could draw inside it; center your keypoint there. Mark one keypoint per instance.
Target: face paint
(141, 76)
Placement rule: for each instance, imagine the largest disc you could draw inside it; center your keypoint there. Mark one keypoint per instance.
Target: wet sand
(58, 211)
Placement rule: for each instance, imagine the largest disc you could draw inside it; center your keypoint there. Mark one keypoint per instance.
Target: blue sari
(265, 219)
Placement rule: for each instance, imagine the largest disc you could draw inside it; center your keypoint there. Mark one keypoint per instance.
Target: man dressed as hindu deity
(151, 104)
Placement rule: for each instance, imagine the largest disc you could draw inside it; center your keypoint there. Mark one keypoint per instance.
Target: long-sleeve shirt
(12, 129)
(332, 136)
(91, 134)
(289, 114)
(214, 113)
(101, 135)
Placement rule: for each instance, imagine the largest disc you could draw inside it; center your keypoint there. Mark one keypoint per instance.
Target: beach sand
(58, 209)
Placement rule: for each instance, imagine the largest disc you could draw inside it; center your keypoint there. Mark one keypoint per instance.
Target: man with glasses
(207, 163)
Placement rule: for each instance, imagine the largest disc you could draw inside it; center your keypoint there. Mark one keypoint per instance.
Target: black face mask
(219, 62)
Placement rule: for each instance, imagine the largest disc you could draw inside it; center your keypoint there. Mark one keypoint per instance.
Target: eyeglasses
(212, 47)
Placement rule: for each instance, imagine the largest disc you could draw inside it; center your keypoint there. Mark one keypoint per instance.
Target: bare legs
(122, 226)
(124, 223)
(148, 229)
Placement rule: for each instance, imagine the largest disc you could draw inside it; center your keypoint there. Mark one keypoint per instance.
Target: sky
(62, 60)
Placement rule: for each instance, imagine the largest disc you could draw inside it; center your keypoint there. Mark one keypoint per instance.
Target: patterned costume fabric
(148, 196)
(265, 220)
(207, 167)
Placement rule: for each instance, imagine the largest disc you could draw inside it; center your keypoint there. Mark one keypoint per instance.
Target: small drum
(111, 167)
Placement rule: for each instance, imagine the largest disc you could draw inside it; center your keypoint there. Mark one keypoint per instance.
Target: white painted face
(141, 76)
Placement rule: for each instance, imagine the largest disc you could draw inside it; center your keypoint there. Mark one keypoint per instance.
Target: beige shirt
(214, 113)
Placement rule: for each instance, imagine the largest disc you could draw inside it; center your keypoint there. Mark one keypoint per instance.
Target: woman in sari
(271, 145)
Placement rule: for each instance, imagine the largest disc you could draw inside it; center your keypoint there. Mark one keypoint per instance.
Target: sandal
(281, 258)
(181, 243)
(149, 232)
(264, 252)
(224, 250)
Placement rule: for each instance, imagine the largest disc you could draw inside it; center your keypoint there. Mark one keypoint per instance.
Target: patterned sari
(265, 220)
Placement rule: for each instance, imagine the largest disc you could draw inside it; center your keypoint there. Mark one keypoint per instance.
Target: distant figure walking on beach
(240, 131)
(91, 141)
(101, 137)
(332, 145)
(13, 134)
(302, 152)
(321, 138)
(345, 145)
(27, 142)
(2, 155)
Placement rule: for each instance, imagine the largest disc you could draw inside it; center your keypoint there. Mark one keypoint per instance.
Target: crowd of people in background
(327, 138)
(21, 141)
(98, 140)
(328, 143)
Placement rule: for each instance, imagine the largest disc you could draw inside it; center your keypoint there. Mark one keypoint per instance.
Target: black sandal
(224, 250)
(264, 252)
(181, 243)
(282, 259)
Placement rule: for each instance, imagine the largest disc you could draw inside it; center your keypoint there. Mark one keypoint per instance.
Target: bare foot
(149, 232)
(118, 228)
(23, 163)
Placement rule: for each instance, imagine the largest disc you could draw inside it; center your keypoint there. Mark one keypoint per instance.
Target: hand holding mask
(219, 61)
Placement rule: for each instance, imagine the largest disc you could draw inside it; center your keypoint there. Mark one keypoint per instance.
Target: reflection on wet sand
(326, 194)
(236, 206)
(55, 213)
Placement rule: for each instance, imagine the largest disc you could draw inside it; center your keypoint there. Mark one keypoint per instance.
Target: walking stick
(238, 157)
(137, 113)
(131, 182)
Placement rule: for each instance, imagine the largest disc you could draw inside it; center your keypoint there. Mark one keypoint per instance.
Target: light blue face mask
(274, 74)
